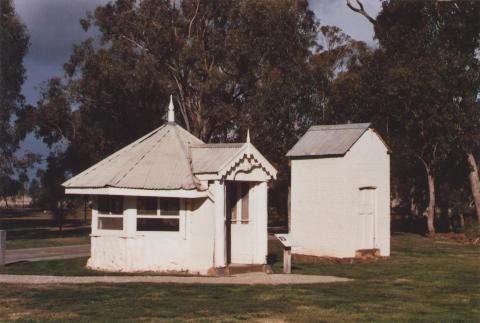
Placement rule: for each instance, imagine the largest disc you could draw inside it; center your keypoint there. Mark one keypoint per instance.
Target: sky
(54, 28)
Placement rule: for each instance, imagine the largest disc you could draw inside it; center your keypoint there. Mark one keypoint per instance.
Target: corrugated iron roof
(165, 159)
(209, 158)
(158, 160)
(328, 140)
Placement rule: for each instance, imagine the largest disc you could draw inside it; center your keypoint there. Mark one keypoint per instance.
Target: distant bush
(472, 230)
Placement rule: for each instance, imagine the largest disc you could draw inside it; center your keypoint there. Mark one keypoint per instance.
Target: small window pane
(157, 224)
(105, 223)
(169, 206)
(232, 201)
(147, 205)
(245, 190)
(116, 204)
(103, 205)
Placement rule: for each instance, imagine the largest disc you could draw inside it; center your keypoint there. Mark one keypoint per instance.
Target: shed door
(367, 217)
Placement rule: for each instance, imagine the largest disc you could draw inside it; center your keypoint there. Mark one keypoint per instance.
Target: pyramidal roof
(165, 159)
(158, 160)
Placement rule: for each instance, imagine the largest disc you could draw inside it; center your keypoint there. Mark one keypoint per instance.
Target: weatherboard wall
(188, 250)
(325, 191)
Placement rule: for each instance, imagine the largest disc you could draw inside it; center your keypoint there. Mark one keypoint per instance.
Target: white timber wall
(198, 246)
(369, 167)
(188, 250)
(317, 207)
(325, 200)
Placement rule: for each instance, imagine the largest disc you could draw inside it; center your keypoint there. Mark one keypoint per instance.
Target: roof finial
(248, 135)
(171, 112)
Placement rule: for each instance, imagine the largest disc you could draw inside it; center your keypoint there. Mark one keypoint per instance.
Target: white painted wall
(192, 249)
(188, 250)
(325, 198)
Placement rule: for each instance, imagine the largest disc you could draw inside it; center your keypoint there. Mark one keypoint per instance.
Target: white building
(340, 192)
(169, 202)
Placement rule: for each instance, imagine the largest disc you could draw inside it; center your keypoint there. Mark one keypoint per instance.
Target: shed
(340, 192)
(169, 202)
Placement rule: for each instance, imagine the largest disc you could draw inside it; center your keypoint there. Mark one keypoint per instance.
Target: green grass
(48, 242)
(424, 280)
(29, 228)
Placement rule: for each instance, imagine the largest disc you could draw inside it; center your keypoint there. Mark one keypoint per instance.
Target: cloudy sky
(54, 27)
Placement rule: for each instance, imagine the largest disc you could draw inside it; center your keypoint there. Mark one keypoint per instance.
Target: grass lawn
(425, 279)
(27, 228)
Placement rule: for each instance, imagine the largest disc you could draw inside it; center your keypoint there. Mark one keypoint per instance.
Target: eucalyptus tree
(230, 65)
(423, 81)
(14, 42)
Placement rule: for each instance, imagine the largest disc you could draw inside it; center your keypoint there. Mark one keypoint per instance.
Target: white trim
(137, 192)
(250, 152)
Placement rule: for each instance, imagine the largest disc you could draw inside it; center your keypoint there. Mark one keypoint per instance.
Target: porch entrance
(240, 232)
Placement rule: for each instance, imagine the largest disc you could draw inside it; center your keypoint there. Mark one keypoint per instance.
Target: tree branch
(361, 10)
(191, 20)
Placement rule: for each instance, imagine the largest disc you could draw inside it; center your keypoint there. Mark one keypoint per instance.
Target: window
(110, 204)
(147, 205)
(103, 205)
(245, 188)
(108, 207)
(238, 202)
(169, 206)
(108, 223)
(157, 224)
(158, 214)
(232, 201)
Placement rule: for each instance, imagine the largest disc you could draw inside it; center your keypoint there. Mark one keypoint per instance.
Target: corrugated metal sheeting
(328, 140)
(166, 158)
(209, 158)
(156, 161)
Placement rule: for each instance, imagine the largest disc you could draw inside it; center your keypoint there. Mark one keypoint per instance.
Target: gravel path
(49, 253)
(243, 279)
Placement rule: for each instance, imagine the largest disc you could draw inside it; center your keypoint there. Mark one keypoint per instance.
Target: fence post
(3, 247)
(287, 260)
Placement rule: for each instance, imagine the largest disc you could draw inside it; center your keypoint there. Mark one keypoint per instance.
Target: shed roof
(159, 160)
(209, 158)
(328, 140)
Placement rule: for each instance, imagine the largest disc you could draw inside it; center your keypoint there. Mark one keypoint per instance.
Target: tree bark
(474, 183)
(431, 199)
(413, 203)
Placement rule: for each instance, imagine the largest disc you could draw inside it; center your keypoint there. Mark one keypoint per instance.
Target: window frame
(245, 202)
(159, 216)
(110, 214)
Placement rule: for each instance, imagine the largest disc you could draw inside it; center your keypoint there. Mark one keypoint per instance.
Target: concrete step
(235, 269)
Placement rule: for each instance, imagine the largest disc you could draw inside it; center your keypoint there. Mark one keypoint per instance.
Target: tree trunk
(413, 203)
(474, 183)
(462, 220)
(431, 200)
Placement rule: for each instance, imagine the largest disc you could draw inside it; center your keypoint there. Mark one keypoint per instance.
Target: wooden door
(367, 217)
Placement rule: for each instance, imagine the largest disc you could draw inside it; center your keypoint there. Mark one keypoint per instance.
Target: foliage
(472, 230)
(14, 43)
(8, 188)
(417, 88)
(271, 67)
(229, 64)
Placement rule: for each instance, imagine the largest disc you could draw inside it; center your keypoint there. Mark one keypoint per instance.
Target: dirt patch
(453, 237)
